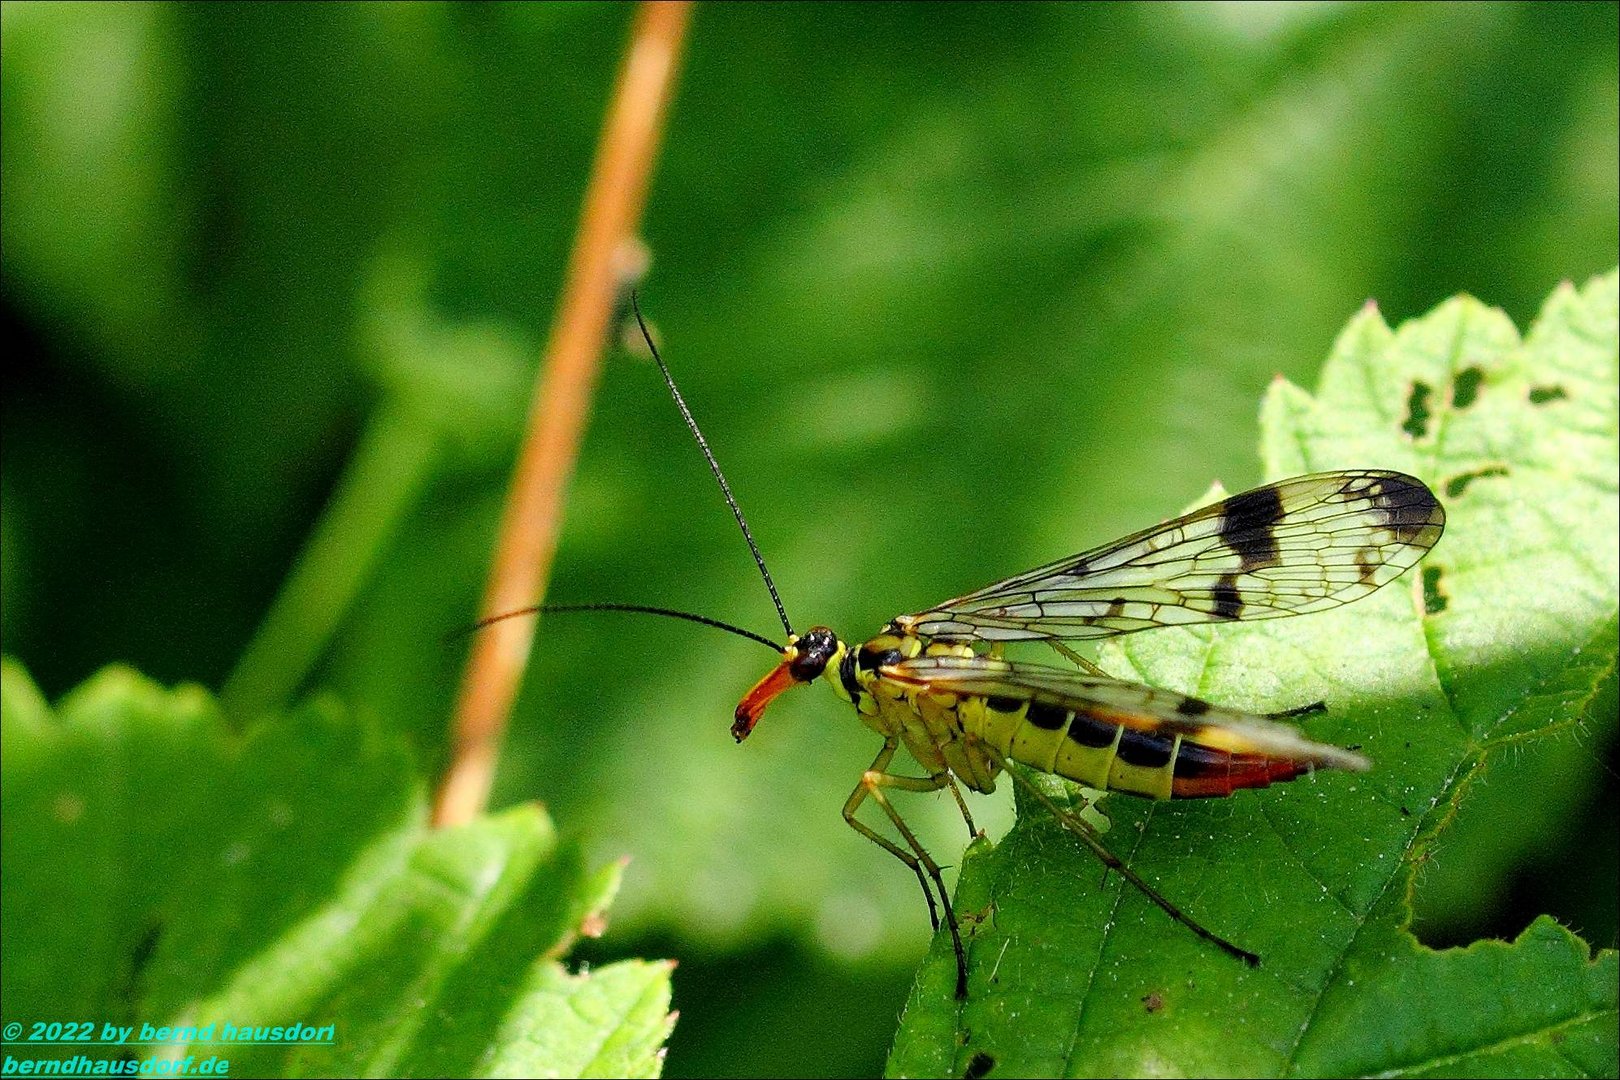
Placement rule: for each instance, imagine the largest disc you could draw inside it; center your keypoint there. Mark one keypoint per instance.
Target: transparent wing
(1129, 705)
(1296, 546)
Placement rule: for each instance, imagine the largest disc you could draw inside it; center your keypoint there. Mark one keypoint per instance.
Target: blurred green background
(953, 289)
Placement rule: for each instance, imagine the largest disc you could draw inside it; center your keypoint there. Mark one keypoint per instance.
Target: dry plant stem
(579, 334)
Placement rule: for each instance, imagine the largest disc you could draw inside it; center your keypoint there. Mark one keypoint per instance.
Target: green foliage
(159, 870)
(953, 291)
(1501, 645)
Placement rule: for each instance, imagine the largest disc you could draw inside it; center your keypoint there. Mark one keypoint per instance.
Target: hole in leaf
(1434, 598)
(1465, 387)
(1541, 395)
(979, 1066)
(1417, 411)
(1459, 483)
(1561, 867)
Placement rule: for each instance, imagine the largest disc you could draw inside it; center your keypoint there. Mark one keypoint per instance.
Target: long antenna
(552, 609)
(714, 466)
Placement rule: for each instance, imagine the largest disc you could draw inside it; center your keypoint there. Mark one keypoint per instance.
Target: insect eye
(815, 649)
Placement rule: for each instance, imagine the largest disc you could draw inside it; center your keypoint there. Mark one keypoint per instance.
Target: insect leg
(874, 782)
(918, 858)
(853, 803)
(961, 804)
(1300, 710)
(1077, 660)
(1088, 836)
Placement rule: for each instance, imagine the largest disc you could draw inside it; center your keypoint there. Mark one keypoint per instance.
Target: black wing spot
(1247, 521)
(1116, 608)
(978, 1066)
(1228, 601)
(1434, 597)
(1417, 410)
(1192, 707)
(1542, 395)
(1465, 387)
(1459, 483)
(1410, 509)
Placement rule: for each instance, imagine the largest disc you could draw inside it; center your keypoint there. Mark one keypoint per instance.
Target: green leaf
(159, 870)
(1504, 645)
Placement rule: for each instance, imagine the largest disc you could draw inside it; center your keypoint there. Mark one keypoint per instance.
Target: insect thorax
(892, 707)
